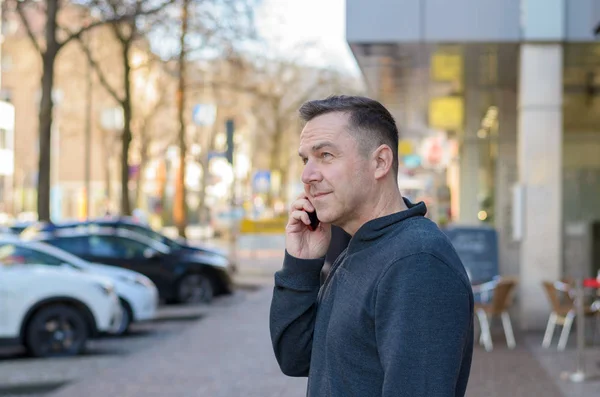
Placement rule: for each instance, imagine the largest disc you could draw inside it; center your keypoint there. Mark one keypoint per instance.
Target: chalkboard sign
(477, 247)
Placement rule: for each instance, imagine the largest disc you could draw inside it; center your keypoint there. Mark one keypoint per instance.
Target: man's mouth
(317, 195)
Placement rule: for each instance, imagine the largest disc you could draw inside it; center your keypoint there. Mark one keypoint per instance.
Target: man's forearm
(293, 312)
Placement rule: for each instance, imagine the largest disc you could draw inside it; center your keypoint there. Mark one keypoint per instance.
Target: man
(395, 315)
(337, 245)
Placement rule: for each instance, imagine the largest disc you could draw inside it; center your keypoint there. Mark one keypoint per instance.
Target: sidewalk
(225, 355)
(229, 354)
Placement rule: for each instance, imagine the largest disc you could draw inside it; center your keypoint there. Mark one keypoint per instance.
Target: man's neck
(387, 203)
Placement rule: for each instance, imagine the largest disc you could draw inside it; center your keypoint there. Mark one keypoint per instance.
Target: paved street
(226, 354)
(224, 350)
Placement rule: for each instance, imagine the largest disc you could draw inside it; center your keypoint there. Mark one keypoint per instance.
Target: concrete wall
(381, 21)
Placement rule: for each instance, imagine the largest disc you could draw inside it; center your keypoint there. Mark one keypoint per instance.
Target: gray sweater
(394, 317)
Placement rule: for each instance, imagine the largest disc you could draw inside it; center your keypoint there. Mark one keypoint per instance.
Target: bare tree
(142, 13)
(147, 132)
(282, 87)
(179, 206)
(214, 26)
(274, 90)
(49, 38)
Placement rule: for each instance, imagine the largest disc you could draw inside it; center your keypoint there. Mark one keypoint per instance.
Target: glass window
(138, 229)
(13, 254)
(74, 245)
(6, 95)
(133, 249)
(6, 63)
(144, 231)
(3, 139)
(116, 247)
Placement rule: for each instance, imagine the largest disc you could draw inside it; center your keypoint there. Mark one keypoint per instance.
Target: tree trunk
(275, 162)
(205, 171)
(45, 115)
(180, 207)
(126, 138)
(108, 184)
(139, 182)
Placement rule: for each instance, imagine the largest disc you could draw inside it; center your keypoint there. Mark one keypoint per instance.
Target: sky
(287, 25)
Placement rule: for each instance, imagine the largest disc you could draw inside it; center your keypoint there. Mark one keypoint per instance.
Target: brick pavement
(229, 354)
(509, 373)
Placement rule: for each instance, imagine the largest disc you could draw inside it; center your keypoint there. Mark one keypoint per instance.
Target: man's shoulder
(424, 248)
(423, 272)
(422, 235)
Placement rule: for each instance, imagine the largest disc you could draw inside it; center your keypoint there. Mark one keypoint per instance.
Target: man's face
(336, 176)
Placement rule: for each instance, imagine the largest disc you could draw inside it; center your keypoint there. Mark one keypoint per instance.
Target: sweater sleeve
(423, 322)
(293, 312)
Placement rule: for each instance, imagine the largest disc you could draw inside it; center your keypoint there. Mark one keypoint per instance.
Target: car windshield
(12, 254)
(154, 235)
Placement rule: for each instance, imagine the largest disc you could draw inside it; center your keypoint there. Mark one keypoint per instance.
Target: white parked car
(137, 293)
(52, 312)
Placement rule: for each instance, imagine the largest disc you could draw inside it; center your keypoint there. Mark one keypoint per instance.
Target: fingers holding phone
(306, 236)
(314, 221)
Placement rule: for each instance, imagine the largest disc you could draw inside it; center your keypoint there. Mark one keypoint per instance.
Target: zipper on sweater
(334, 267)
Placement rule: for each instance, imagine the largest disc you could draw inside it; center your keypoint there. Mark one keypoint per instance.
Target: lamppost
(88, 129)
(112, 121)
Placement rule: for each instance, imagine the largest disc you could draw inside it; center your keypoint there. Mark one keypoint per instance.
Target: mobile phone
(314, 221)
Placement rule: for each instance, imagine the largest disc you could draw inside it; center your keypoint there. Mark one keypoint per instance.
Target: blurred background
(159, 138)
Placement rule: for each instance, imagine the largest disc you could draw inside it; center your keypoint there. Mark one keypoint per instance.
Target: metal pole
(233, 233)
(88, 135)
(579, 375)
(1, 40)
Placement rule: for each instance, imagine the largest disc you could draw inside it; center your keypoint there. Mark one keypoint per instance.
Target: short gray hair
(369, 121)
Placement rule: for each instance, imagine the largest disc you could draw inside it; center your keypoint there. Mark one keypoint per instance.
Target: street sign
(263, 226)
(261, 183)
(230, 130)
(477, 247)
(212, 155)
(204, 114)
(446, 113)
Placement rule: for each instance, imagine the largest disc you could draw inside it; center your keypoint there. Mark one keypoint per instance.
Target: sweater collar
(379, 227)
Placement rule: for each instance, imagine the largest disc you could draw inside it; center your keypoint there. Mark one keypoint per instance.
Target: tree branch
(123, 18)
(119, 35)
(28, 28)
(99, 72)
(76, 35)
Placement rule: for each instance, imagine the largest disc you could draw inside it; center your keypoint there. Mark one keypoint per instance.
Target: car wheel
(195, 288)
(126, 318)
(57, 330)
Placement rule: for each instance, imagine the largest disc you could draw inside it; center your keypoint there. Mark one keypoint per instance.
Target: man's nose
(310, 173)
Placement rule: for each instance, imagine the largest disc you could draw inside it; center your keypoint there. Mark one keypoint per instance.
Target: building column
(539, 147)
(470, 147)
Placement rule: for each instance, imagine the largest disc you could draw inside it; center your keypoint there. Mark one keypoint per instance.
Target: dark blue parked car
(183, 276)
(127, 223)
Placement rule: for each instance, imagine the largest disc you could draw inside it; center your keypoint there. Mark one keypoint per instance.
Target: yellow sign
(446, 113)
(263, 226)
(405, 147)
(446, 67)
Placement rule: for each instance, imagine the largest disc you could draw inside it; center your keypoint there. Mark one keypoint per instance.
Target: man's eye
(326, 155)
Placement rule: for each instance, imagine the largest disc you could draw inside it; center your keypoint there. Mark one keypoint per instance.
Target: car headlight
(140, 281)
(106, 289)
(144, 281)
(215, 260)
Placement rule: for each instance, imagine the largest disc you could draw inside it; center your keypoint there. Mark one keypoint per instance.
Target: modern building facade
(507, 93)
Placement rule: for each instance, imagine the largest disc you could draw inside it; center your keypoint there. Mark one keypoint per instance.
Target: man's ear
(384, 159)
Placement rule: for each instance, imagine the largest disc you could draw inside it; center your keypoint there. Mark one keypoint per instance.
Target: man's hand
(300, 241)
